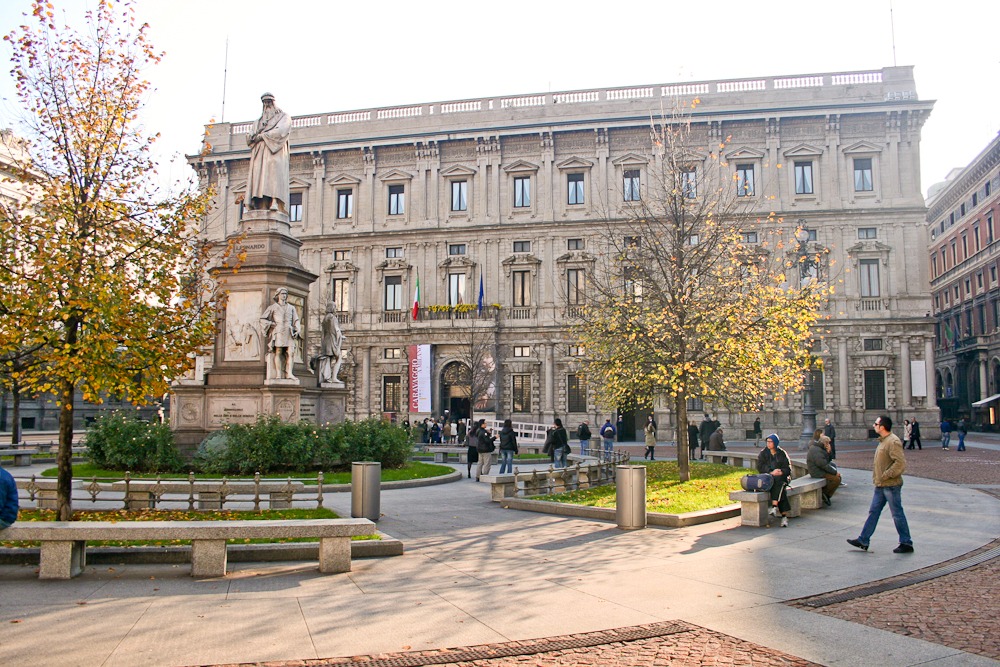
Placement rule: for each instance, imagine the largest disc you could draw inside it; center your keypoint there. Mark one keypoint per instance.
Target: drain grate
(512, 649)
(917, 578)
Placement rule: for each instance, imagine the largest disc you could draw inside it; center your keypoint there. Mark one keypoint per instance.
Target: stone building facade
(961, 220)
(512, 192)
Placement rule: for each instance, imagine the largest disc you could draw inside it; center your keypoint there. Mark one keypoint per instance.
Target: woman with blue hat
(773, 461)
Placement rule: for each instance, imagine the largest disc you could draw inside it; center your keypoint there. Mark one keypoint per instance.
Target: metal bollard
(630, 497)
(366, 480)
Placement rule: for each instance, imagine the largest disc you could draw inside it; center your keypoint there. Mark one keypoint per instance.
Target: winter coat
(650, 434)
(915, 429)
(945, 427)
(508, 439)
(768, 462)
(890, 462)
(447, 430)
(830, 431)
(715, 443)
(756, 427)
(692, 436)
(560, 439)
(908, 432)
(818, 460)
(705, 430)
(461, 431)
(583, 433)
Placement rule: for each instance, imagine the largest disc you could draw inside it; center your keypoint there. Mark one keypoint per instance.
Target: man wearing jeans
(887, 474)
(608, 436)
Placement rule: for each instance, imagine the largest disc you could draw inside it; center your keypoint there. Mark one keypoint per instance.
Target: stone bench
(64, 543)
(736, 459)
(22, 457)
(754, 505)
(501, 486)
(441, 454)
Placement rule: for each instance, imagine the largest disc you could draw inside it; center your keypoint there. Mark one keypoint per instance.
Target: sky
(333, 55)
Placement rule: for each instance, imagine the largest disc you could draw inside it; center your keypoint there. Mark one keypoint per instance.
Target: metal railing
(582, 475)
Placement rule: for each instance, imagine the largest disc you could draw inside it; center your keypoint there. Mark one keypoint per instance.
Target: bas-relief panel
(573, 143)
(457, 151)
(635, 140)
(521, 146)
(224, 410)
(244, 341)
(396, 156)
(343, 160)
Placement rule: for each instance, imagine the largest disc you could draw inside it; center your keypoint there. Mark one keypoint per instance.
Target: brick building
(511, 192)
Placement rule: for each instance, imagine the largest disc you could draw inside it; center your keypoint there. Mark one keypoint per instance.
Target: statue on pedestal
(330, 356)
(267, 186)
(280, 324)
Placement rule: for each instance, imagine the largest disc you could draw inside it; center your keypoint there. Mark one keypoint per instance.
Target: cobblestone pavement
(686, 645)
(973, 466)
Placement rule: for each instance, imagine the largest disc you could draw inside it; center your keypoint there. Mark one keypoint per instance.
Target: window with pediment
(863, 165)
(521, 177)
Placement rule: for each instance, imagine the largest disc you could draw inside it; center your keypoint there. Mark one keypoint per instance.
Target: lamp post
(808, 270)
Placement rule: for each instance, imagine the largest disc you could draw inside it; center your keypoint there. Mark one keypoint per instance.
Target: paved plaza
(545, 590)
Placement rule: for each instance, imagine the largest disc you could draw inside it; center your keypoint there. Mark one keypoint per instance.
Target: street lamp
(808, 272)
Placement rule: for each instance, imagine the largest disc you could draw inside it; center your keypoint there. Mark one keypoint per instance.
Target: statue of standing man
(267, 187)
(330, 355)
(280, 323)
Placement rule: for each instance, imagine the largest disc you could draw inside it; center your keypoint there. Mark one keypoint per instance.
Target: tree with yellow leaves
(101, 273)
(695, 294)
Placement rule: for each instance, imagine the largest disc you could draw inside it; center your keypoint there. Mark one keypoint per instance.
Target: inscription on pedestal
(232, 410)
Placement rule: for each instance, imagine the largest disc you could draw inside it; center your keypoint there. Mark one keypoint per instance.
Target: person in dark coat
(650, 436)
(692, 440)
(716, 444)
(472, 451)
(773, 461)
(915, 434)
(830, 431)
(462, 430)
(508, 448)
(560, 444)
(705, 432)
(757, 433)
(583, 434)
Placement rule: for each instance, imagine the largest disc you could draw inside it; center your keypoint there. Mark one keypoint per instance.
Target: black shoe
(903, 549)
(857, 543)
(826, 499)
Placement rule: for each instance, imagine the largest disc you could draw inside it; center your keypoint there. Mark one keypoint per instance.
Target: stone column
(904, 356)
(550, 381)
(843, 374)
(929, 361)
(983, 390)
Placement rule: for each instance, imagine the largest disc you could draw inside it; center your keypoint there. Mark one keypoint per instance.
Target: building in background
(511, 193)
(961, 218)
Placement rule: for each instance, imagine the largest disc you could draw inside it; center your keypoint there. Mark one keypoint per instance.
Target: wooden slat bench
(754, 505)
(64, 543)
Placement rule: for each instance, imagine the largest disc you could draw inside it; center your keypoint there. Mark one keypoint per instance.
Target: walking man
(887, 474)
(915, 434)
(962, 431)
(757, 433)
(830, 431)
(583, 433)
(608, 435)
(945, 434)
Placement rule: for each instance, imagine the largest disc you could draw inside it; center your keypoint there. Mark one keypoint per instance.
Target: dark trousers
(778, 493)
(915, 440)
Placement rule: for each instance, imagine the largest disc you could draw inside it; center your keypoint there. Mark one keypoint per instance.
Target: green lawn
(178, 515)
(410, 470)
(709, 487)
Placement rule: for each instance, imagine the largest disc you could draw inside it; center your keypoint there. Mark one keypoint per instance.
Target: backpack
(762, 482)
(608, 428)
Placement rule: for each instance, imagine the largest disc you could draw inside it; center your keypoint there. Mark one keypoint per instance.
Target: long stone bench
(22, 457)
(734, 458)
(64, 543)
(441, 454)
(754, 505)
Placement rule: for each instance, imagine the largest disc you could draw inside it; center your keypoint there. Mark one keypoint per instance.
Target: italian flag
(416, 297)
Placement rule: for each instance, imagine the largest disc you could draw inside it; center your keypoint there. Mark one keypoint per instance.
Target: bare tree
(479, 353)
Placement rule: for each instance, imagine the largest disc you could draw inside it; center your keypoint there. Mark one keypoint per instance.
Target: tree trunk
(64, 463)
(683, 465)
(15, 427)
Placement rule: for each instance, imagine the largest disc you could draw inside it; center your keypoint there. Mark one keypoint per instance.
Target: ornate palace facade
(512, 193)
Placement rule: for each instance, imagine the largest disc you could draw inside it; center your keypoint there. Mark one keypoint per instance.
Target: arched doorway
(455, 379)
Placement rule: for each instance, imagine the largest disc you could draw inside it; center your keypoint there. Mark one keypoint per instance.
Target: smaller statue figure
(327, 362)
(280, 324)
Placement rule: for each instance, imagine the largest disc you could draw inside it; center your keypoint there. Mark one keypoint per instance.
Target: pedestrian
(472, 451)
(621, 427)
(446, 431)
(887, 474)
(583, 433)
(773, 461)
(486, 449)
(716, 444)
(462, 430)
(705, 432)
(8, 499)
(436, 433)
(915, 434)
(820, 467)
(757, 433)
(608, 438)
(962, 432)
(508, 447)
(692, 440)
(907, 433)
(650, 430)
(830, 431)
(945, 434)
(560, 444)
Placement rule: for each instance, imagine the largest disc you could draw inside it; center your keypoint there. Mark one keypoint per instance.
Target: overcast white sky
(320, 56)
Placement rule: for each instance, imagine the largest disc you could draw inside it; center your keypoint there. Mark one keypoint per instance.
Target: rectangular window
(574, 286)
(965, 246)
(456, 249)
(459, 195)
(689, 183)
(392, 393)
(522, 192)
(522, 246)
(954, 253)
(693, 239)
(803, 178)
(295, 207)
(576, 350)
(869, 278)
(874, 390)
(456, 289)
(341, 294)
(394, 292)
(989, 229)
(695, 404)
(391, 253)
(815, 387)
(961, 210)
(996, 315)
(522, 351)
(812, 234)
(979, 281)
(951, 219)
(873, 344)
(937, 302)
(393, 353)
(397, 200)
(341, 255)
(633, 241)
(989, 188)
(958, 293)
(633, 285)
(867, 233)
(993, 274)
(574, 184)
(576, 394)
(575, 244)
(521, 393)
(522, 288)
(345, 204)
(982, 318)
(863, 175)
(631, 185)
(748, 237)
(744, 180)
(975, 237)
(934, 269)
(968, 288)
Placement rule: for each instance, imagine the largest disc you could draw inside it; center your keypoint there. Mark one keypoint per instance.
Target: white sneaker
(784, 522)
(773, 511)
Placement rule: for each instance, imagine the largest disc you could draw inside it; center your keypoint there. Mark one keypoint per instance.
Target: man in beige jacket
(887, 473)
